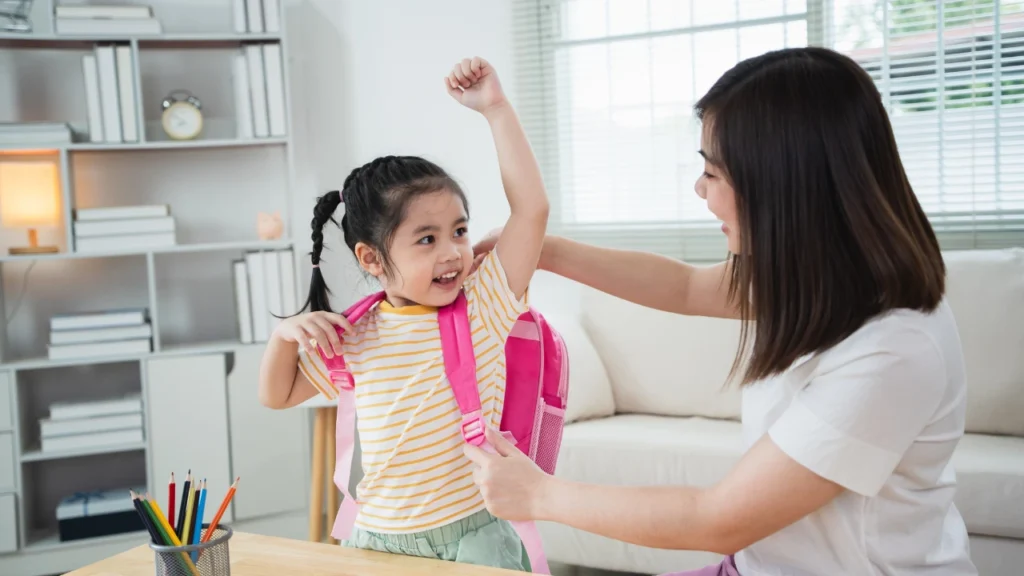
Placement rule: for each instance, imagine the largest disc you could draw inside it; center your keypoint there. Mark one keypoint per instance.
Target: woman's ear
(369, 260)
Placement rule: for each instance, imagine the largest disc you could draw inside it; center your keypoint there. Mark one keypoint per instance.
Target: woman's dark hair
(832, 233)
(376, 196)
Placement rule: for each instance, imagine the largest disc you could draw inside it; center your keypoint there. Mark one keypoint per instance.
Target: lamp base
(20, 250)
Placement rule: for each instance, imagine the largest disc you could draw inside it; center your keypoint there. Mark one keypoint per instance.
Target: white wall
(367, 81)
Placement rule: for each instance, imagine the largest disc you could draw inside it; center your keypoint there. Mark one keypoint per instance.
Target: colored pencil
(195, 512)
(170, 499)
(178, 528)
(186, 528)
(147, 520)
(199, 519)
(169, 532)
(220, 511)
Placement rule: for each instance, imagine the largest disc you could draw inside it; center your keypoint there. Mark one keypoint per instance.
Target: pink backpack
(536, 389)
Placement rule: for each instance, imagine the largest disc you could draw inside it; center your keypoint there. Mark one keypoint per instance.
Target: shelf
(154, 145)
(40, 541)
(36, 455)
(176, 249)
(11, 39)
(173, 350)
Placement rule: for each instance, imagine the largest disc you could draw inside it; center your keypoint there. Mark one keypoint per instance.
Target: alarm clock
(182, 116)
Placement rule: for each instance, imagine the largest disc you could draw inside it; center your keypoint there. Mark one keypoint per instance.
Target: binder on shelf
(49, 428)
(96, 320)
(90, 70)
(272, 15)
(109, 99)
(289, 298)
(257, 90)
(94, 440)
(242, 303)
(254, 14)
(126, 93)
(89, 335)
(258, 296)
(100, 349)
(274, 74)
(243, 102)
(128, 404)
(272, 280)
(241, 23)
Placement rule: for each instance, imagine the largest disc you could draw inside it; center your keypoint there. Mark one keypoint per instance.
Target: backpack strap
(345, 431)
(460, 367)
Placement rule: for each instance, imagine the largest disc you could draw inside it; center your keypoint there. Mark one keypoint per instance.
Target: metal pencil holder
(203, 559)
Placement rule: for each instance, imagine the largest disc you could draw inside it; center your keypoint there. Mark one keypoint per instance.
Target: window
(607, 89)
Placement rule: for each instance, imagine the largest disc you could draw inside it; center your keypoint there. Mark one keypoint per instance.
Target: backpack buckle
(342, 379)
(473, 428)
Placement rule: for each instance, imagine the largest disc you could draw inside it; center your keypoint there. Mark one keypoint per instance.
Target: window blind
(606, 90)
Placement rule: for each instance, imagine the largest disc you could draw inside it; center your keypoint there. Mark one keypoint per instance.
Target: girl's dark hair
(832, 233)
(376, 196)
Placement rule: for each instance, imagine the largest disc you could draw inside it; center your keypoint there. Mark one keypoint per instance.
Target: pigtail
(318, 299)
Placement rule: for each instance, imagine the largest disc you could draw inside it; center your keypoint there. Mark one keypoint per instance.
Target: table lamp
(30, 197)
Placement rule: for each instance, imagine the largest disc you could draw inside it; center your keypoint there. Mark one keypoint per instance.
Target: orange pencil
(220, 511)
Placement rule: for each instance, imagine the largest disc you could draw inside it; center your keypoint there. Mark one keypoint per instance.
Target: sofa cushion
(990, 484)
(638, 450)
(590, 392)
(662, 363)
(985, 289)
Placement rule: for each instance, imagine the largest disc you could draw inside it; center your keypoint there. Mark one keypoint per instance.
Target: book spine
(275, 89)
(258, 90)
(272, 271)
(254, 13)
(109, 93)
(243, 102)
(241, 23)
(242, 302)
(126, 93)
(90, 69)
(258, 294)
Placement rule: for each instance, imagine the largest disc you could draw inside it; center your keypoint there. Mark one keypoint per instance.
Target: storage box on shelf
(193, 381)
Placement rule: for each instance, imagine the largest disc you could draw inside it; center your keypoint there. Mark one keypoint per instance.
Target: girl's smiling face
(713, 186)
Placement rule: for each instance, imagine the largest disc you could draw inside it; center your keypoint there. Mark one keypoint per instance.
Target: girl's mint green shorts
(479, 539)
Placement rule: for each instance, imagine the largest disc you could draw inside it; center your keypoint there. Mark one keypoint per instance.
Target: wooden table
(254, 555)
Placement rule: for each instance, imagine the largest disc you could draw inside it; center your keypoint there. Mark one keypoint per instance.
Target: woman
(851, 366)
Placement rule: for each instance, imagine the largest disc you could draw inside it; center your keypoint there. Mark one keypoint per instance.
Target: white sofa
(647, 406)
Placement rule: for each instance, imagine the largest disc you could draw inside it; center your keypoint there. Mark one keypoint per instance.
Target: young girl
(406, 221)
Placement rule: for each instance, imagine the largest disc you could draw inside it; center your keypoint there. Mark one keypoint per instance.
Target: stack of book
(100, 334)
(110, 20)
(265, 290)
(110, 101)
(31, 134)
(257, 16)
(258, 80)
(92, 424)
(124, 228)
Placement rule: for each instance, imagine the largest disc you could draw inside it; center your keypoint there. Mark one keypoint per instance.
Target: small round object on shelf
(182, 116)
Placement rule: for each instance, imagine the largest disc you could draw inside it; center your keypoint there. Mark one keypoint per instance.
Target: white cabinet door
(268, 447)
(8, 524)
(187, 411)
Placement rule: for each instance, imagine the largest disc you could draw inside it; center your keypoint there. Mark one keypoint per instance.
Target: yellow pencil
(171, 533)
(186, 526)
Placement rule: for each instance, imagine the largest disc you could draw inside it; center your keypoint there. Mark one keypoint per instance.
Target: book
(50, 428)
(100, 319)
(258, 296)
(243, 102)
(241, 21)
(254, 14)
(125, 242)
(289, 297)
(109, 96)
(122, 212)
(100, 349)
(274, 75)
(257, 90)
(127, 404)
(94, 440)
(272, 279)
(90, 228)
(62, 337)
(272, 15)
(126, 93)
(242, 304)
(90, 69)
(35, 133)
(107, 27)
(97, 11)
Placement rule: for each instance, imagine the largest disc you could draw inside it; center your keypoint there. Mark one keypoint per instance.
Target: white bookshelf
(215, 185)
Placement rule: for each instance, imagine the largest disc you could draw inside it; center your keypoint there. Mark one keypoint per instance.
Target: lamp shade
(29, 193)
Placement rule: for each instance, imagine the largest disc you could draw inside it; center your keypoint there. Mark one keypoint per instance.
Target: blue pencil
(199, 520)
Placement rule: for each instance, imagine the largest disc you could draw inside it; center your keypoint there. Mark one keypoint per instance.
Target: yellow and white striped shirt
(415, 474)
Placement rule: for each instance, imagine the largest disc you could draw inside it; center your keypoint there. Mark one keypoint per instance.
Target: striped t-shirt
(416, 476)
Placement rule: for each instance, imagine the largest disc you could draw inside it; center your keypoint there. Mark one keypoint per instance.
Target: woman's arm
(475, 84)
(766, 492)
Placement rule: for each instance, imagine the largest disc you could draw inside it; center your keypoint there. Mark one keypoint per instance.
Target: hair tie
(316, 265)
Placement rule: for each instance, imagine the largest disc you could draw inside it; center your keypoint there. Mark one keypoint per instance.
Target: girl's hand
(511, 484)
(474, 83)
(314, 329)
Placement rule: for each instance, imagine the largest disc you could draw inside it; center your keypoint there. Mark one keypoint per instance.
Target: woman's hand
(314, 329)
(512, 485)
(474, 83)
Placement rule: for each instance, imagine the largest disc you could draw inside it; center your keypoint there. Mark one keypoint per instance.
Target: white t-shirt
(879, 414)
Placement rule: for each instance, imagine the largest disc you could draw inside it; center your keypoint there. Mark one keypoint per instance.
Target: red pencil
(170, 499)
